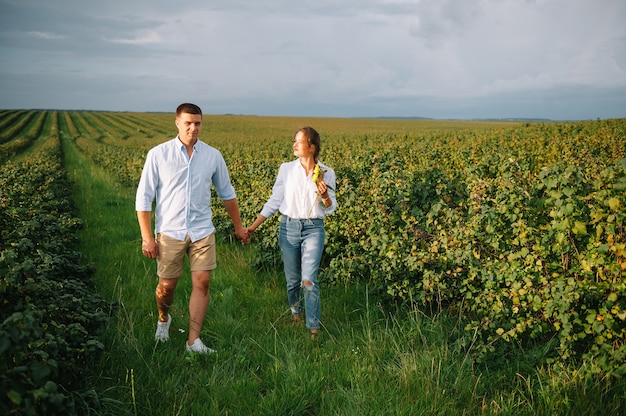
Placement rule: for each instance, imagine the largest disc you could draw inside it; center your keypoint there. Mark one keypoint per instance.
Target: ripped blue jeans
(301, 244)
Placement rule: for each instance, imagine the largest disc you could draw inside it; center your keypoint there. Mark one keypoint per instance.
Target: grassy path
(367, 362)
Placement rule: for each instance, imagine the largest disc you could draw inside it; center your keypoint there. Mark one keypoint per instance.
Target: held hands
(252, 228)
(243, 235)
(249, 231)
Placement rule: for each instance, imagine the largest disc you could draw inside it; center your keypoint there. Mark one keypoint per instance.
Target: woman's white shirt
(295, 194)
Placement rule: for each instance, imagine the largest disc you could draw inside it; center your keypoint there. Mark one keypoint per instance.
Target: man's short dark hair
(188, 108)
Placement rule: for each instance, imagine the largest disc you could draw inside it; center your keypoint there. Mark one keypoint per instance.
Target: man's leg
(201, 261)
(169, 270)
(198, 302)
(165, 296)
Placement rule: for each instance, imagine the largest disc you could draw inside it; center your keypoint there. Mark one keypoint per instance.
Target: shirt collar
(182, 145)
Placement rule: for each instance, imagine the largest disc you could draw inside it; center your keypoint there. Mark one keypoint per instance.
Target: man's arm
(148, 244)
(232, 207)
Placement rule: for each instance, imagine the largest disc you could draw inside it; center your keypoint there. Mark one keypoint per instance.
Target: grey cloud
(356, 57)
(436, 20)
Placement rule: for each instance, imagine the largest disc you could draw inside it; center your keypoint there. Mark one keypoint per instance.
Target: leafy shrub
(522, 229)
(49, 314)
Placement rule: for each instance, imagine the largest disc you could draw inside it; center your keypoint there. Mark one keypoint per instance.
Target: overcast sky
(556, 59)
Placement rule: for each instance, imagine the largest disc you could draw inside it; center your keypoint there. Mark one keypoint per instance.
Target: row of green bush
(50, 316)
(21, 133)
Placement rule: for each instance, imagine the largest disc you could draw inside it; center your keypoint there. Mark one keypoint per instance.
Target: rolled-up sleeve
(331, 180)
(146, 190)
(221, 180)
(278, 193)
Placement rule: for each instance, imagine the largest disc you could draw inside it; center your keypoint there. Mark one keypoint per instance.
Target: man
(178, 174)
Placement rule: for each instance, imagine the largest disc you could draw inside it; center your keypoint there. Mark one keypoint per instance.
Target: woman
(304, 194)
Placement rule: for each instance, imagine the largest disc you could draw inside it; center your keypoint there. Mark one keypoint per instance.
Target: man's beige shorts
(172, 255)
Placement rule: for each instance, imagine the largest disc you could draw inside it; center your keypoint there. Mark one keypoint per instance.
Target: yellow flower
(316, 173)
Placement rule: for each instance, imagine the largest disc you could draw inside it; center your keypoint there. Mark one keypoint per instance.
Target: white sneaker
(163, 330)
(198, 347)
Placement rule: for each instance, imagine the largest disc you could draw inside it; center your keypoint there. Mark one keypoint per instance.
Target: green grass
(370, 359)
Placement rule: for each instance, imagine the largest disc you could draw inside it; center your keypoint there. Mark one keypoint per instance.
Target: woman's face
(301, 147)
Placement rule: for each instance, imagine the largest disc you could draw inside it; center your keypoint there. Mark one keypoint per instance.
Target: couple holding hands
(178, 175)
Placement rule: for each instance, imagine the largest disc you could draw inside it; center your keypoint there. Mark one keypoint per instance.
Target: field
(471, 268)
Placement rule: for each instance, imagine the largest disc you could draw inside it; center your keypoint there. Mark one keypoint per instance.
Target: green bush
(49, 314)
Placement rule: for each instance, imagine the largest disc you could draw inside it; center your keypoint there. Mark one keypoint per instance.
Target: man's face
(189, 127)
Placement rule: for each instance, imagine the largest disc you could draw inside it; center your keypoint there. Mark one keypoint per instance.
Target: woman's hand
(322, 188)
